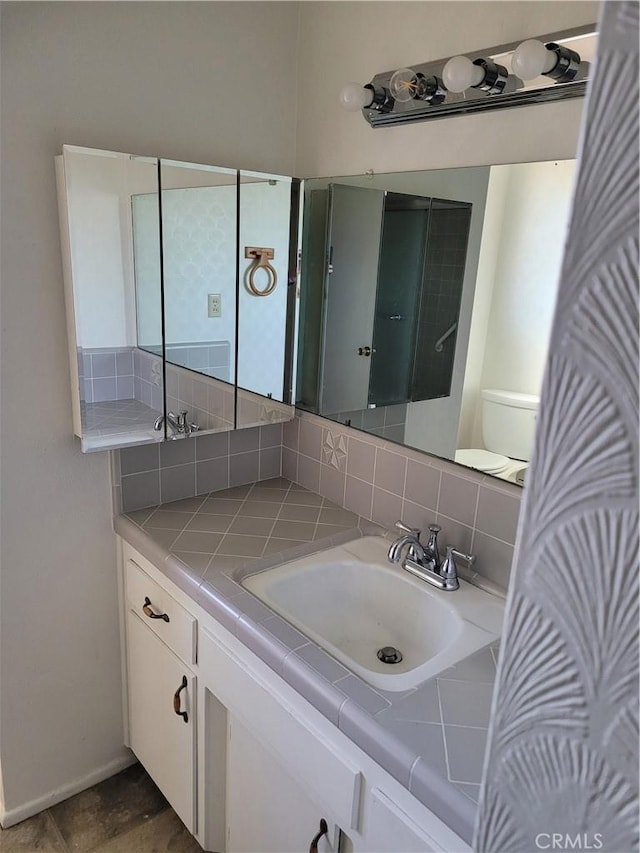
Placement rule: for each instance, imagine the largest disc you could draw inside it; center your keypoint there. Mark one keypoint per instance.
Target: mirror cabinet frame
(244, 407)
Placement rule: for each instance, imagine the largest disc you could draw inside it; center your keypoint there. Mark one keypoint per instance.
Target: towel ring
(261, 261)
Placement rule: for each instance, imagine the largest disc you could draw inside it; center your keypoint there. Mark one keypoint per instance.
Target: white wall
(137, 77)
(98, 253)
(99, 186)
(489, 248)
(526, 225)
(534, 231)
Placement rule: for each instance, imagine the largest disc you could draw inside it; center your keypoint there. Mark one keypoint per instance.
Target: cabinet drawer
(326, 776)
(149, 600)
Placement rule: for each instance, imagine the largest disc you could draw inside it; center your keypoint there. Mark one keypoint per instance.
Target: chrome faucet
(180, 425)
(423, 561)
(410, 539)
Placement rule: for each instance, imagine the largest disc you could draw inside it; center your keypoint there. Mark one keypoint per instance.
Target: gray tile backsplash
(106, 374)
(366, 474)
(383, 482)
(197, 465)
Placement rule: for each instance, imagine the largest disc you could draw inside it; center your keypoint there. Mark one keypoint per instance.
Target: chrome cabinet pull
(176, 700)
(324, 830)
(146, 609)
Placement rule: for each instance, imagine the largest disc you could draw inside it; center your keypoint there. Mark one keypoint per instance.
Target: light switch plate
(215, 305)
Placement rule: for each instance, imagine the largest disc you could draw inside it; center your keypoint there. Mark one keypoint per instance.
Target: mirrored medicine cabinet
(419, 308)
(180, 291)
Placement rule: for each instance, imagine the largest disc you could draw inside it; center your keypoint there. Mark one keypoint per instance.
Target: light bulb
(532, 58)
(354, 97)
(404, 84)
(460, 73)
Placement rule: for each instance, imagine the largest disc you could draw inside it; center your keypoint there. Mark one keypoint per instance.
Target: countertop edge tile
(218, 606)
(364, 730)
(451, 805)
(183, 576)
(262, 643)
(322, 694)
(141, 540)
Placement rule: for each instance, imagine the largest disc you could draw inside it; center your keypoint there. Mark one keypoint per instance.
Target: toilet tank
(508, 422)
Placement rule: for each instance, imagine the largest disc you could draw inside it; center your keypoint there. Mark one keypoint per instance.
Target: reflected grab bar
(441, 340)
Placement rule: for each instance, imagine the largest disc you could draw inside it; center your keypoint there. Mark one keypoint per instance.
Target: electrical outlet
(215, 305)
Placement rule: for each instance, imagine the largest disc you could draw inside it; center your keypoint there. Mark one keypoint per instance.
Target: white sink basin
(352, 601)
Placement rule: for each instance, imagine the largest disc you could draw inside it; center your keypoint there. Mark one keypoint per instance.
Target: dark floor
(124, 814)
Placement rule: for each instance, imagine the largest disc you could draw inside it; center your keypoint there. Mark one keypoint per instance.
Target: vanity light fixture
(494, 78)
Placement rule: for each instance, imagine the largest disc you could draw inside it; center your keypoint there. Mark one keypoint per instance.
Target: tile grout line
(444, 735)
(275, 521)
(475, 520)
(57, 831)
(232, 517)
(244, 500)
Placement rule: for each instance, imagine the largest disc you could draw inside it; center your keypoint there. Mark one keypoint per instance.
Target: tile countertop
(431, 739)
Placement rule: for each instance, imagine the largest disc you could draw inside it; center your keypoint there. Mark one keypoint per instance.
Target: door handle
(366, 351)
(324, 830)
(176, 700)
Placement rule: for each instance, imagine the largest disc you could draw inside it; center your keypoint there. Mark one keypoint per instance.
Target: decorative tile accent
(334, 450)
(563, 741)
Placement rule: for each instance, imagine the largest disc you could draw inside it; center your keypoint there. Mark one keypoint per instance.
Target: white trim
(9, 817)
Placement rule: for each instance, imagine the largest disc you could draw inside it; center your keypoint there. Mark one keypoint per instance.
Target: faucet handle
(434, 528)
(468, 558)
(403, 528)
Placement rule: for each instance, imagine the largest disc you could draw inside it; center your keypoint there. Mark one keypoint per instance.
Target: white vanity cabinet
(254, 766)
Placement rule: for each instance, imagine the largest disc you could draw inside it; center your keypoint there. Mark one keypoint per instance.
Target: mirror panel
(117, 389)
(267, 320)
(419, 292)
(199, 221)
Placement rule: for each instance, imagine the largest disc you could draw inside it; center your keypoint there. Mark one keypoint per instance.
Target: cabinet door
(266, 809)
(388, 829)
(355, 224)
(162, 739)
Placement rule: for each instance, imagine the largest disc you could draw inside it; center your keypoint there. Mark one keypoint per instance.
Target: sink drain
(389, 654)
